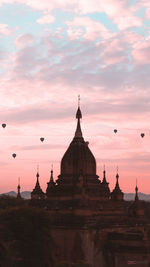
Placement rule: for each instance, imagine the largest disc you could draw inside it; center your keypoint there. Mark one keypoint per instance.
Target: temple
(89, 222)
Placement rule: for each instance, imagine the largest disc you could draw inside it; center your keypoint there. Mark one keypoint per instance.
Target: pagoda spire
(78, 133)
(137, 209)
(136, 192)
(37, 192)
(104, 176)
(117, 194)
(18, 189)
(51, 184)
(37, 177)
(117, 181)
(105, 187)
(51, 177)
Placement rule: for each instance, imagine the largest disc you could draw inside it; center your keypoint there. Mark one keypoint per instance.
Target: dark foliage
(25, 238)
(79, 264)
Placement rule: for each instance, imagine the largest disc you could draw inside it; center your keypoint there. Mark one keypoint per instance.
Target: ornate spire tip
(78, 101)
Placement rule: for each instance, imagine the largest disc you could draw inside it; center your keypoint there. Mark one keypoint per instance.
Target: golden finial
(117, 169)
(78, 101)
(37, 175)
(37, 167)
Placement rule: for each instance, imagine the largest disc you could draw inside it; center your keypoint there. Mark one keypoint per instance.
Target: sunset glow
(52, 51)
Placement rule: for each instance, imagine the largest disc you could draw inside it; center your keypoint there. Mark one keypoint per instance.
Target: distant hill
(127, 196)
(131, 196)
(24, 194)
(11, 193)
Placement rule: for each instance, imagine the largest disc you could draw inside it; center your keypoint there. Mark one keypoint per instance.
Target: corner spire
(37, 192)
(117, 194)
(37, 176)
(117, 180)
(78, 133)
(136, 192)
(104, 176)
(51, 184)
(117, 187)
(18, 189)
(51, 177)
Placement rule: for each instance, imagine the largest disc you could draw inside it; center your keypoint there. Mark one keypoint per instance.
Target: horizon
(13, 191)
(53, 51)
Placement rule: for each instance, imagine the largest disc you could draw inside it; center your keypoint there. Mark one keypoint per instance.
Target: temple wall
(92, 246)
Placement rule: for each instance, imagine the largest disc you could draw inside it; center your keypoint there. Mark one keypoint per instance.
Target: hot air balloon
(3, 125)
(115, 130)
(42, 139)
(14, 155)
(142, 135)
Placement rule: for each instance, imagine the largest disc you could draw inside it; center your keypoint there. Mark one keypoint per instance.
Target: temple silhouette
(89, 222)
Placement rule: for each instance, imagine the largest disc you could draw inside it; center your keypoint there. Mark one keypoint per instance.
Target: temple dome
(78, 158)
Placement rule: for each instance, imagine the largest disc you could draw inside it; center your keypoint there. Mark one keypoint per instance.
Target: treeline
(25, 236)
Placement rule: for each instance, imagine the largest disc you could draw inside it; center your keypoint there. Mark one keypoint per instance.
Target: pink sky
(52, 51)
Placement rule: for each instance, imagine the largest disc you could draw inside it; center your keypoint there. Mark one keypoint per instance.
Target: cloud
(24, 40)
(49, 111)
(115, 52)
(141, 52)
(121, 12)
(78, 63)
(93, 29)
(4, 29)
(39, 147)
(127, 21)
(26, 62)
(46, 19)
(147, 13)
(33, 114)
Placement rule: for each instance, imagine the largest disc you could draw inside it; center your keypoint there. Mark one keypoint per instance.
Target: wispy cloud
(39, 147)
